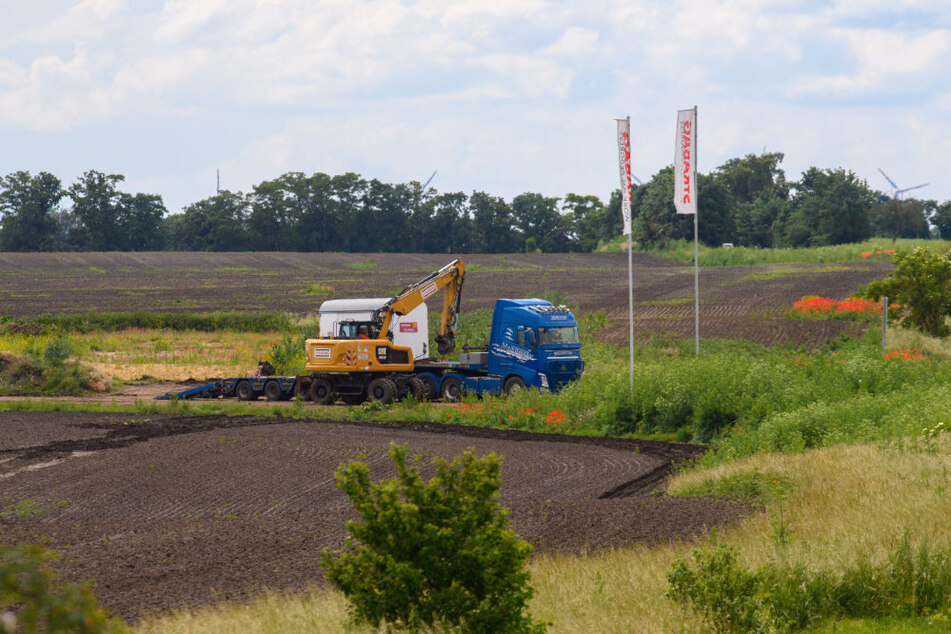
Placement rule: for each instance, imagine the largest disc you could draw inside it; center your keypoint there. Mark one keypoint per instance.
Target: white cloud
(881, 57)
(574, 41)
(516, 95)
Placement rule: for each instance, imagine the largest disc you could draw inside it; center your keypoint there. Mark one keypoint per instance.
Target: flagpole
(624, 164)
(696, 250)
(630, 302)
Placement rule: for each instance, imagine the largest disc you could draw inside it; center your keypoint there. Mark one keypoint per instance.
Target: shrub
(43, 604)
(783, 597)
(432, 554)
(57, 350)
(921, 286)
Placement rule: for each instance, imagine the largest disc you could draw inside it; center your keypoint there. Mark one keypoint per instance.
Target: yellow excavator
(371, 365)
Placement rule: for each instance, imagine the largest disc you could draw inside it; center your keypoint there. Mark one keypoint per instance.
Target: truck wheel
(418, 389)
(382, 389)
(244, 391)
(273, 391)
(322, 392)
(451, 389)
(513, 384)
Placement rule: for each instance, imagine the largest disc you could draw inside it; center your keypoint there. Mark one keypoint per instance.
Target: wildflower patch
(812, 307)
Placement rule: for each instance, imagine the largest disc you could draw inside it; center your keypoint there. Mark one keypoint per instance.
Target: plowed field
(747, 303)
(165, 511)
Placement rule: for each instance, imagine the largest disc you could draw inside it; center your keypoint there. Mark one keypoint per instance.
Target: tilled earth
(165, 511)
(736, 302)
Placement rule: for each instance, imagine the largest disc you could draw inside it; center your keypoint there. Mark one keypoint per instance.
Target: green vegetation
(365, 265)
(920, 287)
(432, 554)
(46, 368)
(746, 201)
(783, 597)
(45, 604)
(206, 322)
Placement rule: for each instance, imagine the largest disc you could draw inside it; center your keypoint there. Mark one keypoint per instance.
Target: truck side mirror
(531, 339)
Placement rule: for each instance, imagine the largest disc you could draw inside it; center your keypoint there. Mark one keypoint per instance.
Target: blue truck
(533, 344)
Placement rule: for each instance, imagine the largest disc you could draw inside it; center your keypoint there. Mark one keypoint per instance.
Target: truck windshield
(560, 335)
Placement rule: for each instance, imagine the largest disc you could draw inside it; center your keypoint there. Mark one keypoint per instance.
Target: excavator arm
(450, 278)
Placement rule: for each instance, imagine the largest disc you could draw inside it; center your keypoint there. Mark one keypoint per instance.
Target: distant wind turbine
(898, 191)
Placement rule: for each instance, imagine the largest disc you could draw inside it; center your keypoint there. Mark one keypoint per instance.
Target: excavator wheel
(382, 389)
(322, 392)
(451, 389)
(302, 389)
(273, 391)
(417, 387)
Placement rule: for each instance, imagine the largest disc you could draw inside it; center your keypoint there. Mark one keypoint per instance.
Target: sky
(500, 96)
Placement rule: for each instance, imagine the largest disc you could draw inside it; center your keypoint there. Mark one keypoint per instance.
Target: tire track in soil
(165, 511)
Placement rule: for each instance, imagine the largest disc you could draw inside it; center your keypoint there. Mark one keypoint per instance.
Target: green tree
(97, 204)
(829, 207)
(493, 228)
(754, 220)
(714, 210)
(213, 224)
(754, 176)
(587, 216)
(942, 220)
(895, 219)
(920, 286)
(432, 554)
(655, 220)
(140, 219)
(28, 206)
(538, 221)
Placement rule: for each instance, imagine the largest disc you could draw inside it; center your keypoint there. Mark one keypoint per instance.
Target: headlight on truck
(543, 381)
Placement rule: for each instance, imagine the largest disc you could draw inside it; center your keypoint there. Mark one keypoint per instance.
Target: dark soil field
(166, 511)
(748, 303)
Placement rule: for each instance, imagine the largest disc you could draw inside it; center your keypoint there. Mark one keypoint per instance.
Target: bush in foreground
(42, 603)
(436, 553)
(782, 597)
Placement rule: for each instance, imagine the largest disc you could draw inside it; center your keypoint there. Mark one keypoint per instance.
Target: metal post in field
(884, 322)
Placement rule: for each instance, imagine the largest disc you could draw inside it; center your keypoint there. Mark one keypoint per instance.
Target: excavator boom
(449, 277)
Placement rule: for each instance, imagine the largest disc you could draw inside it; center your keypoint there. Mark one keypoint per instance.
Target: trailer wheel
(244, 391)
(273, 391)
(322, 392)
(382, 389)
(451, 389)
(513, 384)
(418, 389)
(429, 387)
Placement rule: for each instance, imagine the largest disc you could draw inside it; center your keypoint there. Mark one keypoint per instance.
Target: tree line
(746, 201)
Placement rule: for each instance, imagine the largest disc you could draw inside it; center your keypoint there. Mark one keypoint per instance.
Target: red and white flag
(624, 162)
(685, 162)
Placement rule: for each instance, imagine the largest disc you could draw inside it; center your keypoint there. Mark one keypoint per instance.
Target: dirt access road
(165, 511)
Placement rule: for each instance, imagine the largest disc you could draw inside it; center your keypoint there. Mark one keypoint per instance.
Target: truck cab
(534, 344)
